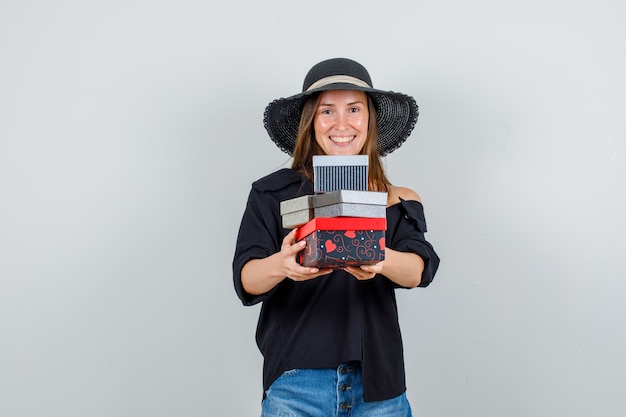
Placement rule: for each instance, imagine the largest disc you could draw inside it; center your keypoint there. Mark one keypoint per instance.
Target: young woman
(330, 337)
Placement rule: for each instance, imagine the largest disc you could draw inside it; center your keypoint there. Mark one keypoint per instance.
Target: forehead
(338, 96)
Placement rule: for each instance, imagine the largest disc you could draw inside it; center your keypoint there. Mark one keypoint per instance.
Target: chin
(343, 150)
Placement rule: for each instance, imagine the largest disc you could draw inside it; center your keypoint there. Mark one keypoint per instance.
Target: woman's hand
(293, 270)
(403, 268)
(259, 276)
(365, 272)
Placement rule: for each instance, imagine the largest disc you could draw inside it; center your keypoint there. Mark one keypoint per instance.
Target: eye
(354, 109)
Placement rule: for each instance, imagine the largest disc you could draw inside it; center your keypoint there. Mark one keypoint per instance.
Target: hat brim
(396, 115)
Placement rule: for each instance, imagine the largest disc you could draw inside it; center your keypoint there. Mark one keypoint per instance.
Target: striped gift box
(340, 172)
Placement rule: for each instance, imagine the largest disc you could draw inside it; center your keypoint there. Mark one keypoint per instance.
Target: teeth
(341, 139)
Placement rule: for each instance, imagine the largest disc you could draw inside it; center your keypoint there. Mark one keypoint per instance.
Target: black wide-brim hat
(396, 113)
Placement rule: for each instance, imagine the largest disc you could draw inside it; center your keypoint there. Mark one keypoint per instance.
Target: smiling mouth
(342, 139)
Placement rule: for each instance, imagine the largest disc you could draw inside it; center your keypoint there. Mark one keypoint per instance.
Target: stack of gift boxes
(343, 223)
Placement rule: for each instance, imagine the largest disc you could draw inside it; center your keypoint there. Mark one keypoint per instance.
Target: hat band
(338, 79)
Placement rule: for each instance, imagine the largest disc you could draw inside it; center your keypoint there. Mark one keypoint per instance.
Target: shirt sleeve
(259, 237)
(408, 236)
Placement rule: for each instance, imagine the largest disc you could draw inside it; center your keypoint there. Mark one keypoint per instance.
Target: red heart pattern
(330, 246)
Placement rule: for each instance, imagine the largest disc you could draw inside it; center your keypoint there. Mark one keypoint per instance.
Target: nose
(342, 121)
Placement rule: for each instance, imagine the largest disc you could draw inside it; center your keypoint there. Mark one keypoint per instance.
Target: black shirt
(332, 319)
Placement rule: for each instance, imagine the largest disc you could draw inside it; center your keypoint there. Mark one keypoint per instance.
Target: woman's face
(341, 122)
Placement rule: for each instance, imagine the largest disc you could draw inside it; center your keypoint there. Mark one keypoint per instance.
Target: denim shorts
(327, 393)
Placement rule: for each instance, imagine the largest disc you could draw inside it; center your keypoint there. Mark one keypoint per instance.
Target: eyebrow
(348, 104)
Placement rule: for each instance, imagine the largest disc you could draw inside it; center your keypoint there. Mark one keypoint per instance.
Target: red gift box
(336, 242)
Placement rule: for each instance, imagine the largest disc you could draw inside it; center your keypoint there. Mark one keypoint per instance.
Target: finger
(296, 247)
(289, 242)
(359, 273)
(305, 273)
(374, 268)
(290, 238)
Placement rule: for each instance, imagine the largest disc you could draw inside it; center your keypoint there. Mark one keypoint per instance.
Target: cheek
(363, 124)
(318, 133)
(321, 125)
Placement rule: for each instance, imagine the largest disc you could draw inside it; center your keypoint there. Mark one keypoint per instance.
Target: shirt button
(343, 387)
(345, 406)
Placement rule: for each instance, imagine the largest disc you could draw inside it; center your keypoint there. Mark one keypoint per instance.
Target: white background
(130, 132)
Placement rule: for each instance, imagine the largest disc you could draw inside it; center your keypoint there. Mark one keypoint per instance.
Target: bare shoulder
(395, 193)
